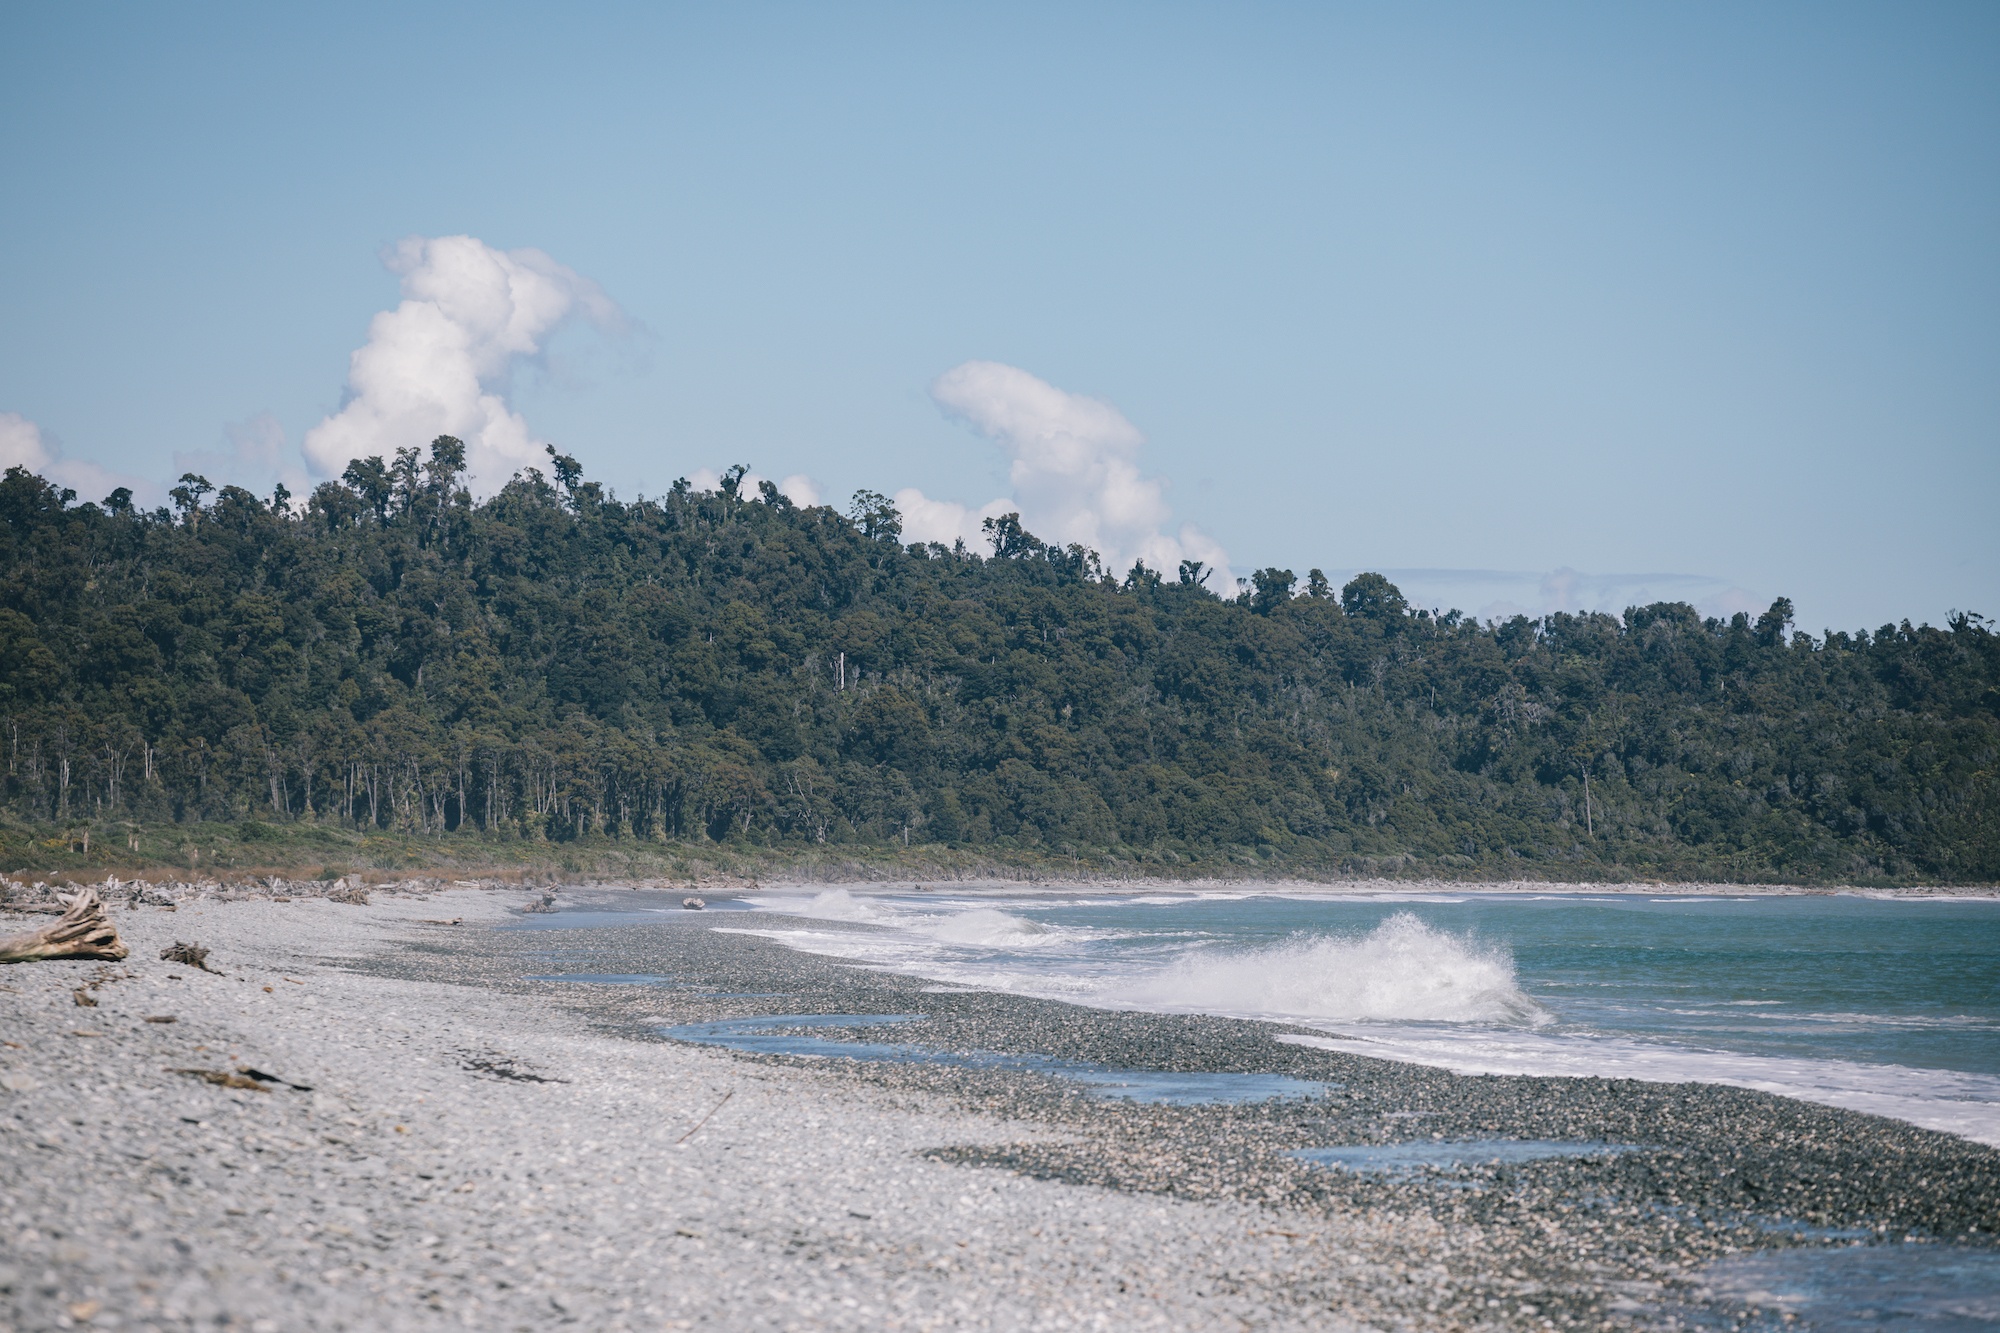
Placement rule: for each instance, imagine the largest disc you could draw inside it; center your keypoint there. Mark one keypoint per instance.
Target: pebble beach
(376, 1114)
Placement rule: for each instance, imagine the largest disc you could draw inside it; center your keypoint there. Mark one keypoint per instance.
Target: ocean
(1889, 1005)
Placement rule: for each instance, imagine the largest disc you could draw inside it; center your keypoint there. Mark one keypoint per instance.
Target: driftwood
(84, 931)
(222, 1078)
(192, 955)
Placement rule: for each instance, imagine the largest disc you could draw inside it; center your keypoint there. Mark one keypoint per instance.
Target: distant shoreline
(29, 891)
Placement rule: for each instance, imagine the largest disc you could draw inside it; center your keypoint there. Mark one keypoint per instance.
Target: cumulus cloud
(947, 521)
(1074, 473)
(22, 444)
(440, 362)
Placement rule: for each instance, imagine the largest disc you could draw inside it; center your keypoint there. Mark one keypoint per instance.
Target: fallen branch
(84, 931)
(222, 1078)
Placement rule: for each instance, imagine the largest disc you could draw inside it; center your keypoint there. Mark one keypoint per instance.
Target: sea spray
(989, 928)
(977, 927)
(840, 905)
(1402, 970)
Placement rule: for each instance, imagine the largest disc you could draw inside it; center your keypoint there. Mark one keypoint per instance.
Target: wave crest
(987, 926)
(1402, 969)
(840, 905)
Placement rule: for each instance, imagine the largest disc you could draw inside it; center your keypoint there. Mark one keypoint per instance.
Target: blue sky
(1534, 305)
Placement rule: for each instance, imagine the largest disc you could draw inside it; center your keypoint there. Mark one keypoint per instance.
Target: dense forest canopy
(553, 663)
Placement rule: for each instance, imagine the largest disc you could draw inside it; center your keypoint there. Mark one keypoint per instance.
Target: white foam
(1402, 991)
(990, 928)
(840, 905)
(1956, 1103)
(1403, 969)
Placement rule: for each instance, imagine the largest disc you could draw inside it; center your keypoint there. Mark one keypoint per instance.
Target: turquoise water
(1855, 1289)
(1396, 1159)
(1880, 1004)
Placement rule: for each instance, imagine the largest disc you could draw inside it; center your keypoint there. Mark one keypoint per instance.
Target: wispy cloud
(441, 362)
(253, 455)
(22, 444)
(1073, 469)
(1496, 594)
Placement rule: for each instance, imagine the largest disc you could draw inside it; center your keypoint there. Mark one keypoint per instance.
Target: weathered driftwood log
(84, 931)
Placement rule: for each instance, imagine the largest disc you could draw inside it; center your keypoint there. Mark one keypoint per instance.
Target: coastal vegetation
(389, 668)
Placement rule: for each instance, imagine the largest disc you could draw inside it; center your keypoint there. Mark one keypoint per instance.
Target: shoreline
(23, 890)
(480, 1147)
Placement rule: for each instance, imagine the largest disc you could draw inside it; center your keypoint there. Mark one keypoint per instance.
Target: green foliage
(556, 665)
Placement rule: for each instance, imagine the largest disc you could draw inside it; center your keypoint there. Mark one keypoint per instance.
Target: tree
(566, 665)
(1771, 626)
(876, 515)
(1011, 541)
(188, 495)
(1374, 597)
(447, 465)
(1272, 589)
(371, 485)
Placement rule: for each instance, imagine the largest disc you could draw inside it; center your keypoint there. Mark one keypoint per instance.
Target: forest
(554, 666)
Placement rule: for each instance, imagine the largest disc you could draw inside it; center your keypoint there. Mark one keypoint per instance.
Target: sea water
(1882, 1004)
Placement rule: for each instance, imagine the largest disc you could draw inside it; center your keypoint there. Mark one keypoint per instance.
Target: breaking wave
(1402, 970)
(840, 905)
(988, 927)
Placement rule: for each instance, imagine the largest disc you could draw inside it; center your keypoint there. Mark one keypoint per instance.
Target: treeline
(555, 664)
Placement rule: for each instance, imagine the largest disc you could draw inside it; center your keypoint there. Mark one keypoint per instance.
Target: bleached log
(84, 931)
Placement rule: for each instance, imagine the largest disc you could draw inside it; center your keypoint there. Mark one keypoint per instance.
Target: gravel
(366, 1118)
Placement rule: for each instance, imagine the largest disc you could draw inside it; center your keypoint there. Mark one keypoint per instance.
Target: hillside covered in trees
(555, 665)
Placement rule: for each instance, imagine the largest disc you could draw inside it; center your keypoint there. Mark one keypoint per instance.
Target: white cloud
(22, 444)
(440, 362)
(946, 521)
(1074, 471)
(254, 455)
(800, 489)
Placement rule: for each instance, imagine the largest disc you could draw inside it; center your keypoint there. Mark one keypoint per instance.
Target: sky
(1533, 307)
